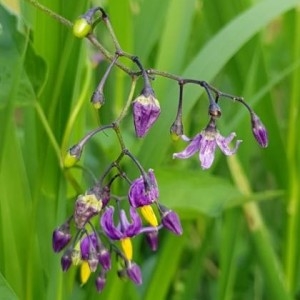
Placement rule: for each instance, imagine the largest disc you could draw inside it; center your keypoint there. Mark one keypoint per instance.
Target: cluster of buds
(104, 223)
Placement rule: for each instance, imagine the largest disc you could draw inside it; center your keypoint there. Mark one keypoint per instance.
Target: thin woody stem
(51, 13)
(92, 133)
(91, 37)
(111, 31)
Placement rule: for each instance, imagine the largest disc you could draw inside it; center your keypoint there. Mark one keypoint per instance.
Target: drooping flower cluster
(91, 246)
(103, 223)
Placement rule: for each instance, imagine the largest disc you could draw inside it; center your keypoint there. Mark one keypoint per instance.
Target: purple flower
(146, 110)
(259, 130)
(134, 273)
(143, 193)
(61, 237)
(124, 228)
(205, 143)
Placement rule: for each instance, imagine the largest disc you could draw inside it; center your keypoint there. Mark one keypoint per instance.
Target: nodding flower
(124, 230)
(205, 143)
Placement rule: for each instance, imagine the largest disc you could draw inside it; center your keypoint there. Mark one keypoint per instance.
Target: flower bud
(170, 220)
(81, 28)
(72, 156)
(100, 282)
(259, 130)
(146, 110)
(86, 207)
(66, 260)
(176, 129)
(61, 237)
(134, 273)
(152, 239)
(93, 259)
(104, 259)
(97, 99)
(75, 256)
(214, 110)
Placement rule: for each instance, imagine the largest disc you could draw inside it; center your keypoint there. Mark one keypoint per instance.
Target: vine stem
(51, 13)
(110, 57)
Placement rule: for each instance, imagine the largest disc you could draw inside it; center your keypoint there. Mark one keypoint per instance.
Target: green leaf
(6, 291)
(198, 191)
(13, 44)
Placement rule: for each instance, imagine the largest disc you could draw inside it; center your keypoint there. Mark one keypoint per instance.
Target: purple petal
(207, 152)
(138, 196)
(108, 226)
(89, 241)
(191, 149)
(223, 143)
(133, 228)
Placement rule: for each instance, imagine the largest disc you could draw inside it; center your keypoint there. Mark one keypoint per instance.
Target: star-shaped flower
(124, 230)
(205, 143)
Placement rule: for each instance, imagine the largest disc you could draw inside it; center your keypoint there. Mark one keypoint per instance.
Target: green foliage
(240, 219)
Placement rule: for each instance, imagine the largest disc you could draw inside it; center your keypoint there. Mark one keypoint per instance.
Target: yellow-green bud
(176, 129)
(81, 28)
(175, 137)
(70, 160)
(97, 99)
(72, 156)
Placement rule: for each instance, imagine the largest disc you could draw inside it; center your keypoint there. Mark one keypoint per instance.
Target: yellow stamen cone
(85, 272)
(127, 247)
(149, 215)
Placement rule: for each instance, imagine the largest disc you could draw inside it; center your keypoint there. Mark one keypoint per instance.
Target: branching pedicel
(92, 246)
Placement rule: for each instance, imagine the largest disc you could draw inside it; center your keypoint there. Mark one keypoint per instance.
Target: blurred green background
(240, 218)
